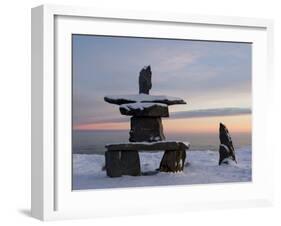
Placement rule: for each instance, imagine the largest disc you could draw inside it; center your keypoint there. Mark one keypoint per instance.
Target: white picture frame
(52, 197)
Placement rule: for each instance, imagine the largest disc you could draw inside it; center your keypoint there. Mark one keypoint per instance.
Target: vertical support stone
(113, 163)
(173, 161)
(130, 163)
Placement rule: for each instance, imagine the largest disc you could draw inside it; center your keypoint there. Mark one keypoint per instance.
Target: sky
(214, 78)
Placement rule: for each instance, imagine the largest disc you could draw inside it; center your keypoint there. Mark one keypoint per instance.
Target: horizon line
(125, 130)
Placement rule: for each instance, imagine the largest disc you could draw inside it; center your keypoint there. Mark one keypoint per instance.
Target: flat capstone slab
(148, 146)
(143, 98)
(145, 109)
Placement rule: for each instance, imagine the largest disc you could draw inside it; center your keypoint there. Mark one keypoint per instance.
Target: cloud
(168, 60)
(214, 112)
(210, 113)
(206, 74)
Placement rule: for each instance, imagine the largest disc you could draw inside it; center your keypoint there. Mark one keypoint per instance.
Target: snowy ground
(202, 168)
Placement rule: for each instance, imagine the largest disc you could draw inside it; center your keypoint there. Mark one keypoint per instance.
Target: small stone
(145, 80)
(226, 150)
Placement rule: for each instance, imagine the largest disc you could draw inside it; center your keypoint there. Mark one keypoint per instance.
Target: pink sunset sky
(213, 77)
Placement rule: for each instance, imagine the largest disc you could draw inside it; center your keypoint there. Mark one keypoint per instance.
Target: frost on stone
(143, 98)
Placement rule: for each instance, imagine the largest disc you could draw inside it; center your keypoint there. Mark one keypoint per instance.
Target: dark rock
(152, 99)
(145, 80)
(173, 160)
(224, 154)
(148, 110)
(146, 129)
(147, 146)
(118, 163)
(130, 163)
(113, 163)
(226, 150)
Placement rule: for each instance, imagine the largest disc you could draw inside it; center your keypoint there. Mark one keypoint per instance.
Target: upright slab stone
(226, 149)
(130, 163)
(146, 129)
(113, 163)
(145, 80)
(173, 160)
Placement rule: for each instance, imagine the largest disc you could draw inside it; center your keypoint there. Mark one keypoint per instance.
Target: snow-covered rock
(127, 99)
(158, 145)
(226, 150)
(140, 109)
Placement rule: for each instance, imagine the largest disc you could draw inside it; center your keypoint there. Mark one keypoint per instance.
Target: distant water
(94, 141)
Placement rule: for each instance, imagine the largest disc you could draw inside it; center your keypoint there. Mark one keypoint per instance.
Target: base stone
(130, 163)
(148, 129)
(173, 161)
(118, 163)
(113, 163)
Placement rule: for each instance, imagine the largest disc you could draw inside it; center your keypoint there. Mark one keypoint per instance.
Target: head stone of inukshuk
(145, 80)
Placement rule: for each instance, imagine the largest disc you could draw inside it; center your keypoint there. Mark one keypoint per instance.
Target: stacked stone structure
(146, 134)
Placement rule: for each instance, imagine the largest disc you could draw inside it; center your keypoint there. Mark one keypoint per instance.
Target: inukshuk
(146, 132)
